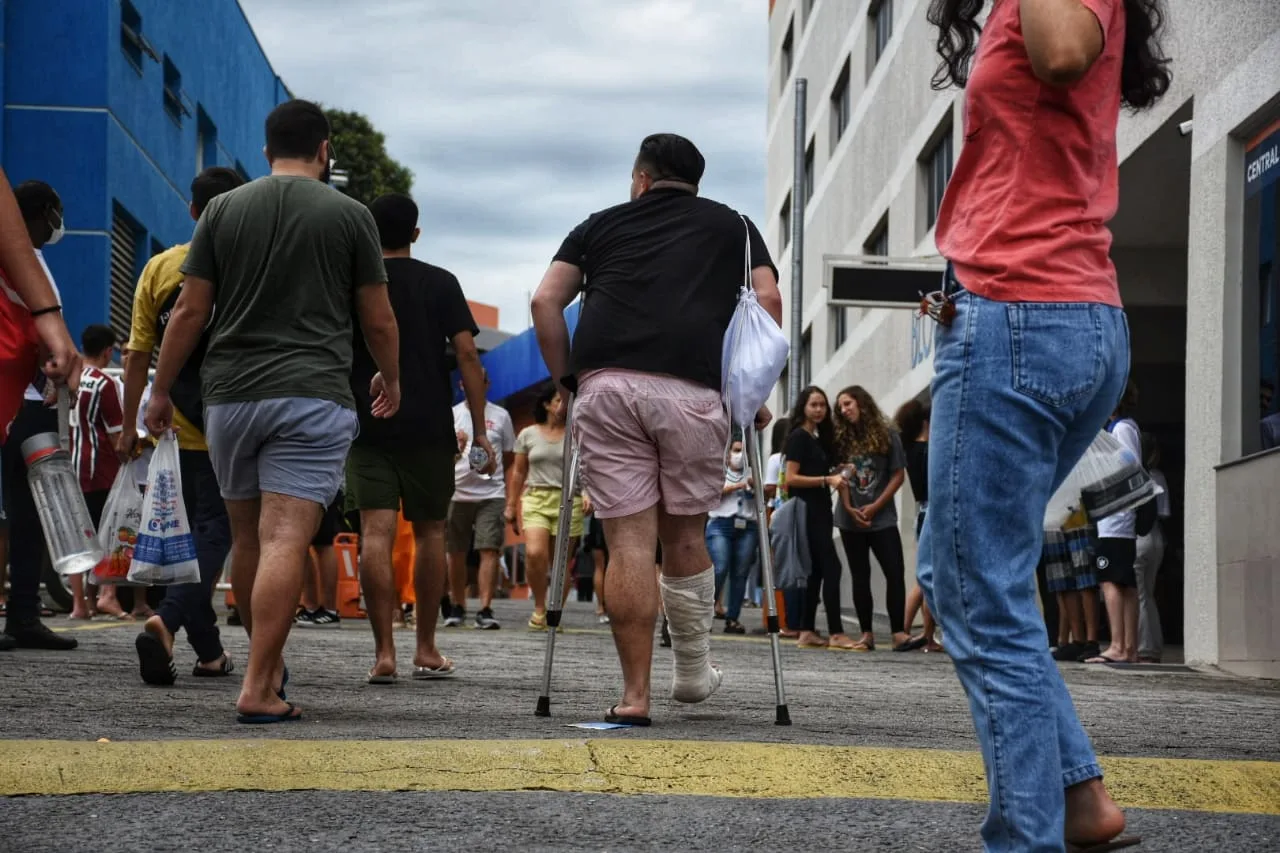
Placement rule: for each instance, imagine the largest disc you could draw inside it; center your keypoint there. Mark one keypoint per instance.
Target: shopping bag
(165, 553)
(753, 354)
(1106, 480)
(118, 530)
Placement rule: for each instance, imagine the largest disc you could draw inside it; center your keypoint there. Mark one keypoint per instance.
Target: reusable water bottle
(55, 488)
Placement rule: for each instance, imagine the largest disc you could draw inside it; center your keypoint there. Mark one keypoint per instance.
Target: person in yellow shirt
(188, 606)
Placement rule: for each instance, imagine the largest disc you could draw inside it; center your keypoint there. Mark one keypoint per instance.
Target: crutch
(560, 564)
(756, 460)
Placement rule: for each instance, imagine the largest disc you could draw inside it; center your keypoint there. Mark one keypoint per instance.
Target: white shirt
(1122, 524)
(772, 476)
(1164, 509)
(470, 487)
(736, 503)
(34, 393)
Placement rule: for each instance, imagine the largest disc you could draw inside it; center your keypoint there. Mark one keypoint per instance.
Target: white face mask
(57, 232)
(735, 461)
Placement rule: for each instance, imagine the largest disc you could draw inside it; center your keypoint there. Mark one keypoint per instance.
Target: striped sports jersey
(97, 417)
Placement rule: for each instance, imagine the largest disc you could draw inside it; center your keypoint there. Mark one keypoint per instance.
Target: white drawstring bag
(754, 353)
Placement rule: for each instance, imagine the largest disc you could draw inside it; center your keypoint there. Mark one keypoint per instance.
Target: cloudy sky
(520, 118)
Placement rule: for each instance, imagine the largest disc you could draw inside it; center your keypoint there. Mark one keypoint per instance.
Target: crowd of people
(325, 366)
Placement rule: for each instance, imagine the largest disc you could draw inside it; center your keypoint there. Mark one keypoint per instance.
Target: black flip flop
(223, 671)
(292, 715)
(1122, 842)
(625, 719)
(155, 664)
(912, 645)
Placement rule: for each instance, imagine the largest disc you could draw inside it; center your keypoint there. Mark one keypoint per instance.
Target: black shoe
(320, 618)
(7, 643)
(36, 635)
(733, 626)
(1088, 650)
(485, 620)
(1068, 652)
(455, 618)
(233, 618)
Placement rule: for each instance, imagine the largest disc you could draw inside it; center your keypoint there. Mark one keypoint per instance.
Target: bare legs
(270, 538)
(1122, 615)
(597, 581)
(429, 567)
(632, 591)
(486, 577)
(377, 580)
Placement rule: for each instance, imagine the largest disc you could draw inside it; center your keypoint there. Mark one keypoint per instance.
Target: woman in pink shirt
(1031, 359)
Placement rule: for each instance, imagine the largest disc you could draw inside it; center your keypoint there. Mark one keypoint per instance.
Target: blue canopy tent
(516, 364)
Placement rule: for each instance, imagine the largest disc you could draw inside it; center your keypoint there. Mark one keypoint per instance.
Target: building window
(173, 92)
(878, 243)
(879, 30)
(840, 106)
(788, 50)
(784, 222)
(808, 175)
(131, 41)
(806, 357)
(126, 245)
(839, 327)
(206, 141)
(937, 164)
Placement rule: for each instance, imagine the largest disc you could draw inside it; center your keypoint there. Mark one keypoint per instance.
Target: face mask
(60, 230)
(735, 461)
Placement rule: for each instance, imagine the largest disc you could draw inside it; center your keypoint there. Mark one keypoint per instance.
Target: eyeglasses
(938, 305)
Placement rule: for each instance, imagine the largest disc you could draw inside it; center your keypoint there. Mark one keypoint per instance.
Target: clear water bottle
(55, 488)
(478, 457)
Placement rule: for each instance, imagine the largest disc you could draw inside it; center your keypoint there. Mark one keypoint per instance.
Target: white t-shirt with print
(470, 487)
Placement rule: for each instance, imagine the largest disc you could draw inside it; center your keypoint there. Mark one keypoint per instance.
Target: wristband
(52, 309)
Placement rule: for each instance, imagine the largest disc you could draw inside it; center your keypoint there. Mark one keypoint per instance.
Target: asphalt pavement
(881, 754)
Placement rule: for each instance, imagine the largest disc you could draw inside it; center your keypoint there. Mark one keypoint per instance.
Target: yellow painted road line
(613, 766)
(98, 626)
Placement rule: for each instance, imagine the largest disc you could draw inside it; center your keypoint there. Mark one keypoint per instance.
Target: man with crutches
(663, 273)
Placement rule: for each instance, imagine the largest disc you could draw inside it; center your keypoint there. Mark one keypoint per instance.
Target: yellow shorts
(541, 508)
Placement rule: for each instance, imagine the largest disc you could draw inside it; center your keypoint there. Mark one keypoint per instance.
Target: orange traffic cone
(350, 602)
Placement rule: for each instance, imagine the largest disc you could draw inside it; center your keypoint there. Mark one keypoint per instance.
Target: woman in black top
(913, 424)
(809, 453)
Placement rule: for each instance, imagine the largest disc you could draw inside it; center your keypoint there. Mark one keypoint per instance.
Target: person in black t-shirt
(811, 458)
(407, 460)
(663, 272)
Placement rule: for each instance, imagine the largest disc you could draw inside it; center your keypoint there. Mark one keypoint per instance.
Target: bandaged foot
(690, 608)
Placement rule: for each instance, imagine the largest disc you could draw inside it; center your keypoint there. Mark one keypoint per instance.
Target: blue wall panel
(57, 52)
(37, 147)
(80, 263)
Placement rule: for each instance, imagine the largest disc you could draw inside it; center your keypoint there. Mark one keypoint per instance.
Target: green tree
(362, 153)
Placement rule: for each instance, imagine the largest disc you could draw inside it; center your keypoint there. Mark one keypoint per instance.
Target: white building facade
(1195, 248)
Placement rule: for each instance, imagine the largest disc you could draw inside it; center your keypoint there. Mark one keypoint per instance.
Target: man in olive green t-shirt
(286, 257)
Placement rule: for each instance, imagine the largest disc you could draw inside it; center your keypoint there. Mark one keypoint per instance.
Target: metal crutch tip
(784, 716)
(544, 707)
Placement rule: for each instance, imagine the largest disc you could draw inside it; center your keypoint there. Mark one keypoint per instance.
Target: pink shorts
(648, 438)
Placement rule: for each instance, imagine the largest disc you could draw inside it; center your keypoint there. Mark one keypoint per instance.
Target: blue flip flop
(284, 681)
(290, 716)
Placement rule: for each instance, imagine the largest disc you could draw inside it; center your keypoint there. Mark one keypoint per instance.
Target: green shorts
(416, 481)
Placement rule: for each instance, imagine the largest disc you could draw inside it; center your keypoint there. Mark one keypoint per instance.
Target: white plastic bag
(754, 352)
(118, 530)
(1106, 480)
(166, 551)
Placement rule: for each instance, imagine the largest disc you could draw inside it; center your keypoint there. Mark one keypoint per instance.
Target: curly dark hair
(911, 418)
(1144, 76)
(870, 435)
(826, 430)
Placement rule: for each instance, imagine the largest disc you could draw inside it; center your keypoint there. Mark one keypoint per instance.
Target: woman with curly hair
(1030, 359)
(874, 466)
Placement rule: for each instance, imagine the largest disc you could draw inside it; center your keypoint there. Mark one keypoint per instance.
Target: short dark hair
(542, 406)
(668, 157)
(295, 130)
(36, 200)
(396, 216)
(97, 339)
(211, 183)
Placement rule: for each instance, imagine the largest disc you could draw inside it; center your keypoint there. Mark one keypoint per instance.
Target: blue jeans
(1019, 392)
(733, 551)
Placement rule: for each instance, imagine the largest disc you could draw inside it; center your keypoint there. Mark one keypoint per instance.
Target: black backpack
(1146, 513)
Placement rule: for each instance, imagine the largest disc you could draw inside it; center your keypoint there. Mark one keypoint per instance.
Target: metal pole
(560, 563)
(755, 459)
(797, 242)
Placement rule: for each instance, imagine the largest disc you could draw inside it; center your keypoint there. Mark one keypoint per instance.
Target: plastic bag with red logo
(118, 530)
(165, 553)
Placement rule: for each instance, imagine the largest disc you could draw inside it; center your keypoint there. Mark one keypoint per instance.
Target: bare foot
(215, 665)
(811, 639)
(430, 659)
(1092, 816)
(631, 709)
(111, 607)
(80, 614)
(933, 646)
(384, 666)
(840, 641)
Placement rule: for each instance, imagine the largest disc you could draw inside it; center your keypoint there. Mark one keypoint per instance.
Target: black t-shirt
(814, 462)
(918, 469)
(430, 309)
(662, 279)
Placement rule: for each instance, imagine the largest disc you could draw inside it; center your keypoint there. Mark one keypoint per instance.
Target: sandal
(431, 673)
(1120, 842)
(863, 646)
(156, 664)
(842, 643)
(225, 668)
(612, 716)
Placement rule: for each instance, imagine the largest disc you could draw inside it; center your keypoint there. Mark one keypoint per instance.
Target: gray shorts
(295, 446)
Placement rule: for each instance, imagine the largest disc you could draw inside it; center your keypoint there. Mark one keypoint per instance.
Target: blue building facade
(118, 104)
